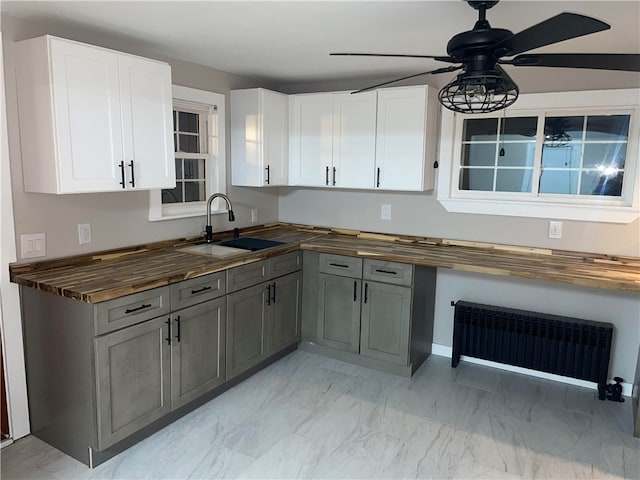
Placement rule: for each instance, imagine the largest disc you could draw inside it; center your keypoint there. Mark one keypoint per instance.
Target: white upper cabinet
(406, 138)
(332, 141)
(92, 119)
(354, 139)
(259, 138)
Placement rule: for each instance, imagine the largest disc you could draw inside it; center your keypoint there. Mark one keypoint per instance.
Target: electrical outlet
(33, 245)
(254, 215)
(84, 233)
(555, 229)
(385, 212)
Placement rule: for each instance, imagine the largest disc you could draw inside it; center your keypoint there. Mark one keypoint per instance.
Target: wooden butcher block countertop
(104, 276)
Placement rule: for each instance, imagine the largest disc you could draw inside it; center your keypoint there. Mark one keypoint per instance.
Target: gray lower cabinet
(263, 317)
(378, 313)
(133, 370)
(339, 312)
(197, 350)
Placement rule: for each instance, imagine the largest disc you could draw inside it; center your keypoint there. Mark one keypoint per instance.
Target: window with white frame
(554, 161)
(198, 135)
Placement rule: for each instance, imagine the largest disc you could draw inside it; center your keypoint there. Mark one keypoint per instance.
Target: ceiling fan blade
(435, 57)
(629, 62)
(452, 68)
(553, 30)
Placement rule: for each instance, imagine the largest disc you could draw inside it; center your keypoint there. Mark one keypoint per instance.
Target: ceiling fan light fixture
(478, 93)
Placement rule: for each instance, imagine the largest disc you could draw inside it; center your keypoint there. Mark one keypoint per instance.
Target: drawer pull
(137, 309)
(390, 272)
(339, 265)
(200, 290)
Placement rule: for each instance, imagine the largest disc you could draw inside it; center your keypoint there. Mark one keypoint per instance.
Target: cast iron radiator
(549, 343)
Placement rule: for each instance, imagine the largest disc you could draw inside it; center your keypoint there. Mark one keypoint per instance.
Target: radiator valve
(614, 390)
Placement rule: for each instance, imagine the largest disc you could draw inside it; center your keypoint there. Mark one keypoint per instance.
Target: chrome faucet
(208, 236)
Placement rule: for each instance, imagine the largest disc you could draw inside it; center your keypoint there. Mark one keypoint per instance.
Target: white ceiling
(289, 42)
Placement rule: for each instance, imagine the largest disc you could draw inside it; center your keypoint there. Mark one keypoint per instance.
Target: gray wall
(117, 219)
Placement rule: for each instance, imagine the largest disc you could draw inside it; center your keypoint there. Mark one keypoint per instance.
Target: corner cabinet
(259, 138)
(332, 139)
(406, 138)
(92, 119)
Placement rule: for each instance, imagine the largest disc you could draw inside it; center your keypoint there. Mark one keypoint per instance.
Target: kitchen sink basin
(250, 243)
(212, 250)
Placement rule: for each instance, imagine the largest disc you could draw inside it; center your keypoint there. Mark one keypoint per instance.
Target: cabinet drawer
(284, 264)
(136, 308)
(197, 290)
(247, 275)
(388, 272)
(341, 265)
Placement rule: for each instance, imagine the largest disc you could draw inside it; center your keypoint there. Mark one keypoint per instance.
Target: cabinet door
(132, 379)
(311, 139)
(401, 140)
(275, 120)
(354, 140)
(386, 320)
(284, 311)
(88, 126)
(339, 312)
(246, 329)
(147, 110)
(197, 350)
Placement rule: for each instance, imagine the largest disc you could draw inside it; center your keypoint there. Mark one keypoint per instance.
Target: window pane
(559, 181)
(476, 179)
(173, 195)
(480, 129)
(560, 130)
(189, 144)
(567, 156)
(480, 154)
(188, 122)
(608, 127)
(194, 191)
(604, 155)
(519, 128)
(194, 168)
(599, 183)
(516, 154)
(179, 169)
(514, 180)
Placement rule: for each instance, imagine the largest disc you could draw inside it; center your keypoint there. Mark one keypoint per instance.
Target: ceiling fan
(483, 85)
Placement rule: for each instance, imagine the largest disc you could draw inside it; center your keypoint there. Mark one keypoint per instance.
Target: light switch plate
(33, 245)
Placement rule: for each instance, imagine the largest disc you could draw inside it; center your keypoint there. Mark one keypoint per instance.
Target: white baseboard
(444, 351)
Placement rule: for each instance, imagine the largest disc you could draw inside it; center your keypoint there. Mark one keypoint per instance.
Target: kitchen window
(544, 159)
(198, 136)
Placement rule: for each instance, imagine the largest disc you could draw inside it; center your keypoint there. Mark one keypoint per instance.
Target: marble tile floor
(307, 416)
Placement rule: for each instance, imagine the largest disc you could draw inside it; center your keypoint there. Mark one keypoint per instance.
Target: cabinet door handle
(141, 307)
(200, 290)
(168, 339)
(273, 293)
(178, 325)
(326, 176)
(269, 294)
(378, 178)
(366, 292)
(339, 265)
(390, 272)
(122, 174)
(355, 290)
(334, 176)
(133, 178)
(268, 174)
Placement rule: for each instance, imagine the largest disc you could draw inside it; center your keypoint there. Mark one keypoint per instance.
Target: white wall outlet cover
(254, 215)
(33, 245)
(385, 212)
(555, 229)
(84, 233)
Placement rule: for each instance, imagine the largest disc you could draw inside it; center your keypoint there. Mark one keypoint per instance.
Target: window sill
(175, 216)
(604, 214)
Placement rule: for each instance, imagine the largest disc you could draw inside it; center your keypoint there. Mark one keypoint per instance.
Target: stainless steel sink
(212, 250)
